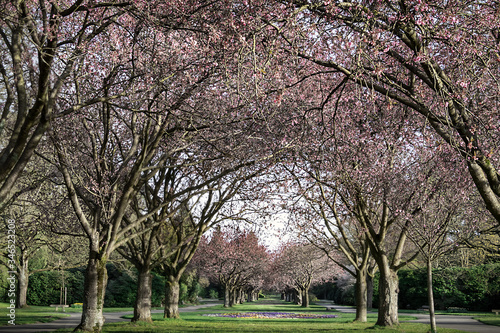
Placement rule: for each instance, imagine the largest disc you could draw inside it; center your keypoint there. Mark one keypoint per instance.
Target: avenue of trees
(132, 129)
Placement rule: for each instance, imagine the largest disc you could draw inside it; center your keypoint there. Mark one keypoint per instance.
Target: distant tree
(234, 259)
(302, 265)
(36, 206)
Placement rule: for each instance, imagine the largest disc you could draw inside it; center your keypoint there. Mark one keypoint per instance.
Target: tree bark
(232, 297)
(305, 297)
(361, 295)
(298, 297)
(388, 294)
(22, 282)
(142, 307)
(172, 294)
(96, 278)
(430, 296)
(369, 292)
(227, 296)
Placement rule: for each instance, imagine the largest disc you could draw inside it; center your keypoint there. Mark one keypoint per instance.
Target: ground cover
(32, 314)
(198, 321)
(489, 319)
(43, 314)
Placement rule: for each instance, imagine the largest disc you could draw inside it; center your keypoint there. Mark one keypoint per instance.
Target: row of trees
(139, 125)
(241, 265)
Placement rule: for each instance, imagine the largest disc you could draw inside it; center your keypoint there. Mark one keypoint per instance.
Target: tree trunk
(430, 296)
(142, 307)
(298, 297)
(388, 294)
(96, 278)
(172, 293)
(232, 296)
(305, 297)
(22, 282)
(369, 292)
(227, 296)
(361, 295)
(242, 297)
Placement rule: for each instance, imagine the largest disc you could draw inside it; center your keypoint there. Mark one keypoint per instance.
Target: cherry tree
(233, 259)
(342, 241)
(441, 226)
(303, 265)
(439, 61)
(177, 109)
(372, 171)
(35, 206)
(42, 46)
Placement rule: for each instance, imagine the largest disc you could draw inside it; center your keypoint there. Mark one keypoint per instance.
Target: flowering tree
(35, 206)
(439, 229)
(43, 45)
(343, 243)
(437, 60)
(233, 259)
(367, 177)
(299, 266)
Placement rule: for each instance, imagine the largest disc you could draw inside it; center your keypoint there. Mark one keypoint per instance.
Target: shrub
(213, 293)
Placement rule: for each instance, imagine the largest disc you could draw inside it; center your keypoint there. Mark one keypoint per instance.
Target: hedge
(475, 288)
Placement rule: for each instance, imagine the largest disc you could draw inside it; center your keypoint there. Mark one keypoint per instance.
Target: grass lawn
(196, 322)
(32, 314)
(43, 314)
(489, 319)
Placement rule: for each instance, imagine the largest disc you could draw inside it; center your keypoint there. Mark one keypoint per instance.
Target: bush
(213, 293)
(312, 298)
(44, 288)
(474, 288)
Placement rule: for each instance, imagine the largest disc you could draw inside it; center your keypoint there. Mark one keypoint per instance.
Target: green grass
(489, 319)
(44, 314)
(32, 314)
(195, 322)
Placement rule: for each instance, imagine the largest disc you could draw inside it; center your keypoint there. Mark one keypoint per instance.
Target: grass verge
(489, 319)
(44, 314)
(32, 314)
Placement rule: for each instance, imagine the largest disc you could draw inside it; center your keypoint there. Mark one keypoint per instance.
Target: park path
(462, 323)
(74, 319)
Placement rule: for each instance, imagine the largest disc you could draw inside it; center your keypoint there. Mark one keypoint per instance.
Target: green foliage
(312, 298)
(158, 294)
(44, 288)
(190, 288)
(121, 289)
(213, 293)
(476, 288)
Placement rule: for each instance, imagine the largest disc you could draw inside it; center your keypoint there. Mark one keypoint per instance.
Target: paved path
(74, 319)
(462, 323)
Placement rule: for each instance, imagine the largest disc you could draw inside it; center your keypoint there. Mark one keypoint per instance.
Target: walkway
(462, 323)
(74, 319)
